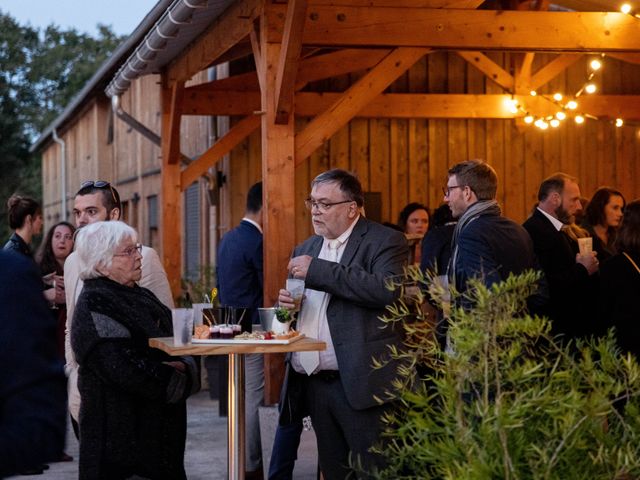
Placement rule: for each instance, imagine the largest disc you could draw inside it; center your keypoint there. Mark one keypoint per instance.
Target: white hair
(97, 243)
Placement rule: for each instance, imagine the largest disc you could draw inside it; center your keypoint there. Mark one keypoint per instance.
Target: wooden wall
(407, 160)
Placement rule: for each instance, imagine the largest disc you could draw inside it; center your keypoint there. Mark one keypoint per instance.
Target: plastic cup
(197, 312)
(585, 245)
(266, 318)
(295, 287)
(182, 326)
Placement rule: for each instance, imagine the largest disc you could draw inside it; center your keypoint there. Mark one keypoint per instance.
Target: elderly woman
(133, 413)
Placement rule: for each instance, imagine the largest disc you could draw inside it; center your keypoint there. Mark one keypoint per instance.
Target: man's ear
(114, 214)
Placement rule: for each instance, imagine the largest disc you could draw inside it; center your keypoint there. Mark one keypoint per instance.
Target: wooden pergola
(301, 41)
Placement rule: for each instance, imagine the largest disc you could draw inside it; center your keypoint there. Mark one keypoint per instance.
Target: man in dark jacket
(485, 244)
(571, 277)
(33, 396)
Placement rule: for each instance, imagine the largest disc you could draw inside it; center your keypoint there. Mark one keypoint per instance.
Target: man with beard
(571, 276)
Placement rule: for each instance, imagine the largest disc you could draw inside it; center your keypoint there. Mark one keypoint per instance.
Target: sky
(122, 15)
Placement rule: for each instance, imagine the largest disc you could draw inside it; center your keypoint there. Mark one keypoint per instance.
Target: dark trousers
(285, 451)
(344, 434)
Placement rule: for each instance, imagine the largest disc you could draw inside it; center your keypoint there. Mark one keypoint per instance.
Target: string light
(625, 8)
(567, 105)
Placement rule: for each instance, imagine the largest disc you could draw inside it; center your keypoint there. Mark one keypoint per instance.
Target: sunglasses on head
(99, 184)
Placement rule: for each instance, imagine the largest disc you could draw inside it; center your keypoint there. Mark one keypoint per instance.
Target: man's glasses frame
(130, 251)
(322, 206)
(447, 190)
(101, 184)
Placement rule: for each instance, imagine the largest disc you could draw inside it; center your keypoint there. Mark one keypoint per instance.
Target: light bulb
(557, 97)
(590, 88)
(579, 119)
(533, 93)
(572, 105)
(555, 123)
(619, 122)
(528, 119)
(544, 125)
(626, 8)
(595, 64)
(561, 115)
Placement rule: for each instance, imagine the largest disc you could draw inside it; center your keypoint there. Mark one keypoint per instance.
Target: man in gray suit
(344, 267)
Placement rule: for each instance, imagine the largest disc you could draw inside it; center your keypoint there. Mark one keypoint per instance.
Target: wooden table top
(166, 344)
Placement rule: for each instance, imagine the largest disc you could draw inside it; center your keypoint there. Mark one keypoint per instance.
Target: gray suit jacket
(358, 297)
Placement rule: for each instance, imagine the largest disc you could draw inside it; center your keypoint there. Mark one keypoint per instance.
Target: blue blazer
(33, 388)
(239, 269)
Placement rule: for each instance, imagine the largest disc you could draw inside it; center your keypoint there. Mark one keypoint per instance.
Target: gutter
(167, 28)
(63, 172)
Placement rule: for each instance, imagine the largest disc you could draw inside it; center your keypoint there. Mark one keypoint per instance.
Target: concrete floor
(206, 450)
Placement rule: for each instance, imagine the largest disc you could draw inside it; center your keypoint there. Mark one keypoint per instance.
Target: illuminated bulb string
(564, 104)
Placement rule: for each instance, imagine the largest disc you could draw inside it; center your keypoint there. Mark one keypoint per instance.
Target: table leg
(235, 419)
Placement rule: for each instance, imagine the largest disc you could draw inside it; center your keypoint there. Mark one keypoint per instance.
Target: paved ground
(206, 452)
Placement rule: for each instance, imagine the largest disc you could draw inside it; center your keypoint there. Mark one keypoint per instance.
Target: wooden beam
(223, 34)
(415, 105)
(278, 187)
(354, 99)
(491, 69)
(171, 227)
(626, 57)
(311, 69)
(224, 145)
(175, 121)
(551, 69)
(465, 4)
(290, 49)
(523, 74)
(463, 30)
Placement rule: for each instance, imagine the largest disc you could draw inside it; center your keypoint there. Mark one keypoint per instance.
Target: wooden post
(278, 176)
(171, 227)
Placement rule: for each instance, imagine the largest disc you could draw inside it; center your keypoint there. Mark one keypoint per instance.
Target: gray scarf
(481, 207)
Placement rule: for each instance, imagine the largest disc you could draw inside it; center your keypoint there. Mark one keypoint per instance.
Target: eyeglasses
(100, 184)
(322, 206)
(447, 190)
(130, 251)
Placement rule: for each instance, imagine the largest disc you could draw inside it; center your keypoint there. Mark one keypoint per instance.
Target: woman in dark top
(414, 222)
(602, 218)
(620, 283)
(133, 410)
(25, 219)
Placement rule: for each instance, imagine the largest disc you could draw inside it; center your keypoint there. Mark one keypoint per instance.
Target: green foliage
(199, 289)
(508, 401)
(40, 72)
(283, 315)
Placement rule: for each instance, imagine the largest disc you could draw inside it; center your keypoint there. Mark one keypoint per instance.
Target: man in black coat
(572, 277)
(33, 395)
(485, 244)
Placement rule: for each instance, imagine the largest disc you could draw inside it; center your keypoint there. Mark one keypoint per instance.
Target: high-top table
(235, 399)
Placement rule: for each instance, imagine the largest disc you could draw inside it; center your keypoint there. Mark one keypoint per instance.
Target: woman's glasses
(130, 251)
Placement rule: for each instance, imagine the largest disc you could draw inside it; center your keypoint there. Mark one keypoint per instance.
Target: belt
(327, 375)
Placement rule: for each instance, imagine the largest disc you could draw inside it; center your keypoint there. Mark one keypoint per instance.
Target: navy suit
(492, 247)
(33, 395)
(239, 268)
(572, 290)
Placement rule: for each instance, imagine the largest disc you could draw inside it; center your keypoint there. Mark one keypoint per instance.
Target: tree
(40, 72)
(508, 401)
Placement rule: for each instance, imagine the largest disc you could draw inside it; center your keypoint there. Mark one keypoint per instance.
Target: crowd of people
(107, 295)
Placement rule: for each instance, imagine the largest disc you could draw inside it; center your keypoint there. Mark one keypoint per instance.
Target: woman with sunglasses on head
(133, 411)
(25, 219)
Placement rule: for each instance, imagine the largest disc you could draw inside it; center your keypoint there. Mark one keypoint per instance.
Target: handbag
(631, 260)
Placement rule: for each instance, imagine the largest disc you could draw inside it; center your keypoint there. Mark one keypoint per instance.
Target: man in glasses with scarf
(485, 244)
(98, 201)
